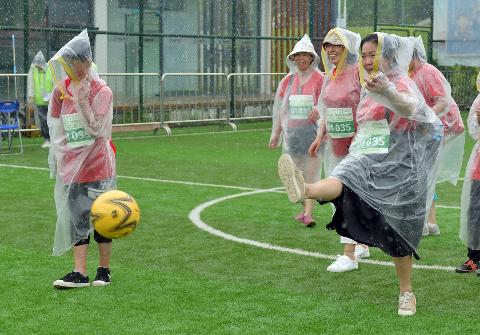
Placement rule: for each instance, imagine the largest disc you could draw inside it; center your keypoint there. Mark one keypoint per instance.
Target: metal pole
(160, 40)
(375, 15)
(26, 25)
(233, 58)
(14, 67)
(140, 56)
(311, 28)
(430, 40)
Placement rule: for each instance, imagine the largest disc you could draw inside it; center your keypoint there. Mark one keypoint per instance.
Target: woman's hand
(83, 93)
(313, 116)
(274, 142)
(377, 84)
(315, 146)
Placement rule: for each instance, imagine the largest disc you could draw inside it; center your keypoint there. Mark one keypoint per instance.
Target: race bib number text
(76, 134)
(340, 122)
(300, 106)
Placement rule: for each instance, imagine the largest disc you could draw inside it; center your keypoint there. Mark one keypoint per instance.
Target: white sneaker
(433, 229)
(425, 231)
(407, 304)
(361, 252)
(46, 144)
(343, 264)
(291, 178)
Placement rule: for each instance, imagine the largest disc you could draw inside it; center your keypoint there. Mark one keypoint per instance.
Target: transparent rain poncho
(470, 205)
(438, 95)
(340, 96)
(40, 85)
(296, 96)
(80, 120)
(396, 147)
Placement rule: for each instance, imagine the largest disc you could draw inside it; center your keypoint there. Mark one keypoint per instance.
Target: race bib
(300, 106)
(77, 135)
(340, 122)
(372, 138)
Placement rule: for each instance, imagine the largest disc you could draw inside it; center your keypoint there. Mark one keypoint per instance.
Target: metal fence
(194, 97)
(136, 96)
(463, 86)
(251, 95)
(148, 101)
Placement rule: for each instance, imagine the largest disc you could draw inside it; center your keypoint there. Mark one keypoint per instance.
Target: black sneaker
(102, 278)
(71, 280)
(468, 266)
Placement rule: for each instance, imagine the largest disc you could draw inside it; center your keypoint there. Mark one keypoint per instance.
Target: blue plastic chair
(9, 123)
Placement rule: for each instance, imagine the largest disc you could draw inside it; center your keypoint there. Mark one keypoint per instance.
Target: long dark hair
(370, 38)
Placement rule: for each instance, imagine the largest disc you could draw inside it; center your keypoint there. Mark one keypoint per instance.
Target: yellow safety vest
(43, 85)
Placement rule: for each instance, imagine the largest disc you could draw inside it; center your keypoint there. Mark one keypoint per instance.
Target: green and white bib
(76, 134)
(340, 122)
(372, 138)
(300, 106)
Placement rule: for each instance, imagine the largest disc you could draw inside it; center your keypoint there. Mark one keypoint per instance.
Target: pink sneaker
(300, 216)
(308, 221)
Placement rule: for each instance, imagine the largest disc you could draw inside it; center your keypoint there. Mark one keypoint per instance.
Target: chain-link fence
(251, 95)
(136, 96)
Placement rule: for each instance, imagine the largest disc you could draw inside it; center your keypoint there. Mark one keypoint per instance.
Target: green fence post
(26, 26)
(140, 57)
(233, 58)
(430, 40)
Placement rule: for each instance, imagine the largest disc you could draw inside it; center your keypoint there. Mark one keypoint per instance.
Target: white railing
(153, 101)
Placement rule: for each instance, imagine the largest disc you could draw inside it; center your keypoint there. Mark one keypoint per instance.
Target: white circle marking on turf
(194, 216)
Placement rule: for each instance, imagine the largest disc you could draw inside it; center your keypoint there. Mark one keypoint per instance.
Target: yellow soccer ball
(115, 214)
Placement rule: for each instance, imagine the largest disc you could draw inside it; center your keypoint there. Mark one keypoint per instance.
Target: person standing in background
(295, 117)
(470, 205)
(39, 88)
(438, 95)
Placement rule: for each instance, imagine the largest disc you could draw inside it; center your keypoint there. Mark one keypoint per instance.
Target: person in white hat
(338, 108)
(295, 117)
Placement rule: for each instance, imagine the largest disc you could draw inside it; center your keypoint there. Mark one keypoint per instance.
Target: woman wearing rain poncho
(295, 117)
(81, 156)
(39, 88)
(338, 107)
(438, 95)
(381, 190)
(470, 208)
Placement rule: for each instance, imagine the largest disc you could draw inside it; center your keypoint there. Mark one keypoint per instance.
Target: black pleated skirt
(356, 219)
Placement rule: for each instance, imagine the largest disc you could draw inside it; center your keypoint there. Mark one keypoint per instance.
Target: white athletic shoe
(361, 252)
(433, 229)
(46, 144)
(343, 264)
(425, 231)
(291, 178)
(407, 304)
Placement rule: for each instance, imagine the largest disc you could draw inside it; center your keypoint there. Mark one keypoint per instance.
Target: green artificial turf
(170, 277)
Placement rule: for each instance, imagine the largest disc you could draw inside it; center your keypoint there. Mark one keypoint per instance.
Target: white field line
(147, 179)
(174, 135)
(194, 216)
(276, 190)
